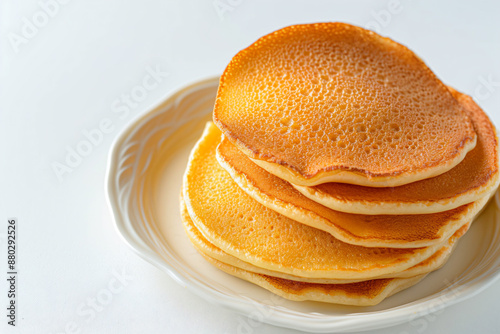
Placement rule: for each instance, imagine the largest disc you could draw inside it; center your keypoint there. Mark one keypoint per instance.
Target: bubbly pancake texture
(436, 261)
(475, 177)
(404, 231)
(241, 227)
(365, 293)
(331, 102)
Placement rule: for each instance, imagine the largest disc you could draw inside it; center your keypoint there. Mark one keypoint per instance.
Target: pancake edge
(394, 286)
(399, 208)
(203, 246)
(356, 177)
(343, 273)
(312, 219)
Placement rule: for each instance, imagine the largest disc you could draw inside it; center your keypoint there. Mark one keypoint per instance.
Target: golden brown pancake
(247, 230)
(436, 261)
(331, 102)
(363, 293)
(404, 231)
(475, 177)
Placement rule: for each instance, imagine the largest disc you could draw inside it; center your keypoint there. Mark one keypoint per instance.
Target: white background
(63, 78)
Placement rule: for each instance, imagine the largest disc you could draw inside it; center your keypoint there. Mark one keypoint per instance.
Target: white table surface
(76, 70)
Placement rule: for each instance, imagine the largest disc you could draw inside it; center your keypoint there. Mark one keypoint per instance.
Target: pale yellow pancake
(331, 102)
(475, 177)
(247, 230)
(436, 261)
(364, 293)
(404, 231)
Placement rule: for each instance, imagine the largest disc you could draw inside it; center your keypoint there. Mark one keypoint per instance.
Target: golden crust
(436, 261)
(241, 227)
(365, 293)
(475, 177)
(403, 231)
(334, 102)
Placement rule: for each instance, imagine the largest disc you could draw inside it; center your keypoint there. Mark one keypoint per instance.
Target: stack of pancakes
(339, 169)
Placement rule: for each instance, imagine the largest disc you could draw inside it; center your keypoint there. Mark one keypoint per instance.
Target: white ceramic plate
(144, 177)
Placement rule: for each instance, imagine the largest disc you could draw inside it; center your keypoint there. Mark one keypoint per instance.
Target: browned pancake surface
(205, 247)
(359, 294)
(331, 96)
(478, 169)
(240, 226)
(393, 230)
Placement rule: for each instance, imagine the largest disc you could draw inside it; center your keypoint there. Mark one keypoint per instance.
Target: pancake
(364, 293)
(436, 261)
(404, 231)
(475, 177)
(331, 102)
(247, 230)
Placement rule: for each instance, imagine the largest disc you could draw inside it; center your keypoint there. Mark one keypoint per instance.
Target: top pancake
(332, 102)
